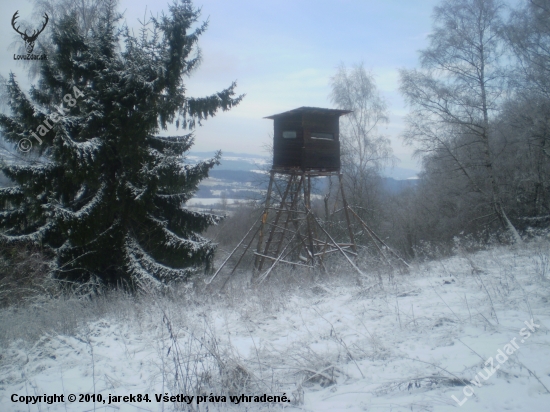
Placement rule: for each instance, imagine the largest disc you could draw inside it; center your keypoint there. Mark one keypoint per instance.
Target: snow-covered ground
(449, 332)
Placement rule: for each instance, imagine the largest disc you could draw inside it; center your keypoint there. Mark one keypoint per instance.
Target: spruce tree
(101, 190)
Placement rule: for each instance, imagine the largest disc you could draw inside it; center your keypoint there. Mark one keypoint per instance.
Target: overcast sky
(282, 54)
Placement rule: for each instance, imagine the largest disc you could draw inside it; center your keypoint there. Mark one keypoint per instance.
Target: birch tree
(456, 93)
(526, 118)
(528, 35)
(365, 150)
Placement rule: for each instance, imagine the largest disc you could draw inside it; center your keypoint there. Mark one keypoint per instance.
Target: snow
(210, 201)
(336, 344)
(229, 157)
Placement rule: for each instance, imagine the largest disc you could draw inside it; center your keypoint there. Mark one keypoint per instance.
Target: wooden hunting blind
(306, 145)
(307, 138)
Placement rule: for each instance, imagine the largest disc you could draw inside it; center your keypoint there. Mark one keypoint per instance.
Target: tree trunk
(495, 190)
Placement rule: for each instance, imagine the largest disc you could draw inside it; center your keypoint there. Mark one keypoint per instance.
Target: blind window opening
(324, 136)
(289, 134)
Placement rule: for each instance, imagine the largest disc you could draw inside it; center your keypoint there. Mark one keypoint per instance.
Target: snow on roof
(310, 110)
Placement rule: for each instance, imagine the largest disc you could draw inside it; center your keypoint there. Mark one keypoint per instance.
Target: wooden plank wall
(305, 152)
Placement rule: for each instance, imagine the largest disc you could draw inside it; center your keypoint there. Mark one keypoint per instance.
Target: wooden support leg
(233, 252)
(264, 217)
(293, 205)
(375, 237)
(281, 256)
(241, 258)
(276, 221)
(338, 247)
(309, 226)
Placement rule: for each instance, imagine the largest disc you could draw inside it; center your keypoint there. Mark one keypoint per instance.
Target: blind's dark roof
(311, 110)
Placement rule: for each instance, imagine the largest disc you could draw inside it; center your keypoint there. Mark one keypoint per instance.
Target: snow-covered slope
(422, 341)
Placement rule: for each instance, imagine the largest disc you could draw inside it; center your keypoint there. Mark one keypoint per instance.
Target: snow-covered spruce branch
(144, 268)
(84, 212)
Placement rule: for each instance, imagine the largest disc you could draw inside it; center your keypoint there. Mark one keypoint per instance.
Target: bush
(23, 275)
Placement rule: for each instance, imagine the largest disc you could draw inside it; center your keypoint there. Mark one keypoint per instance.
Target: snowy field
(449, 332)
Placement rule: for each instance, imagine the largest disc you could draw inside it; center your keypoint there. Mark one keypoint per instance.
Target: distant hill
(399, 173)
(395, 185)
(233, 161)
(249, 162)
(242, 177)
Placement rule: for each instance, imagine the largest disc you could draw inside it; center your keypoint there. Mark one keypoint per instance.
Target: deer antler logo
(29, 40)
